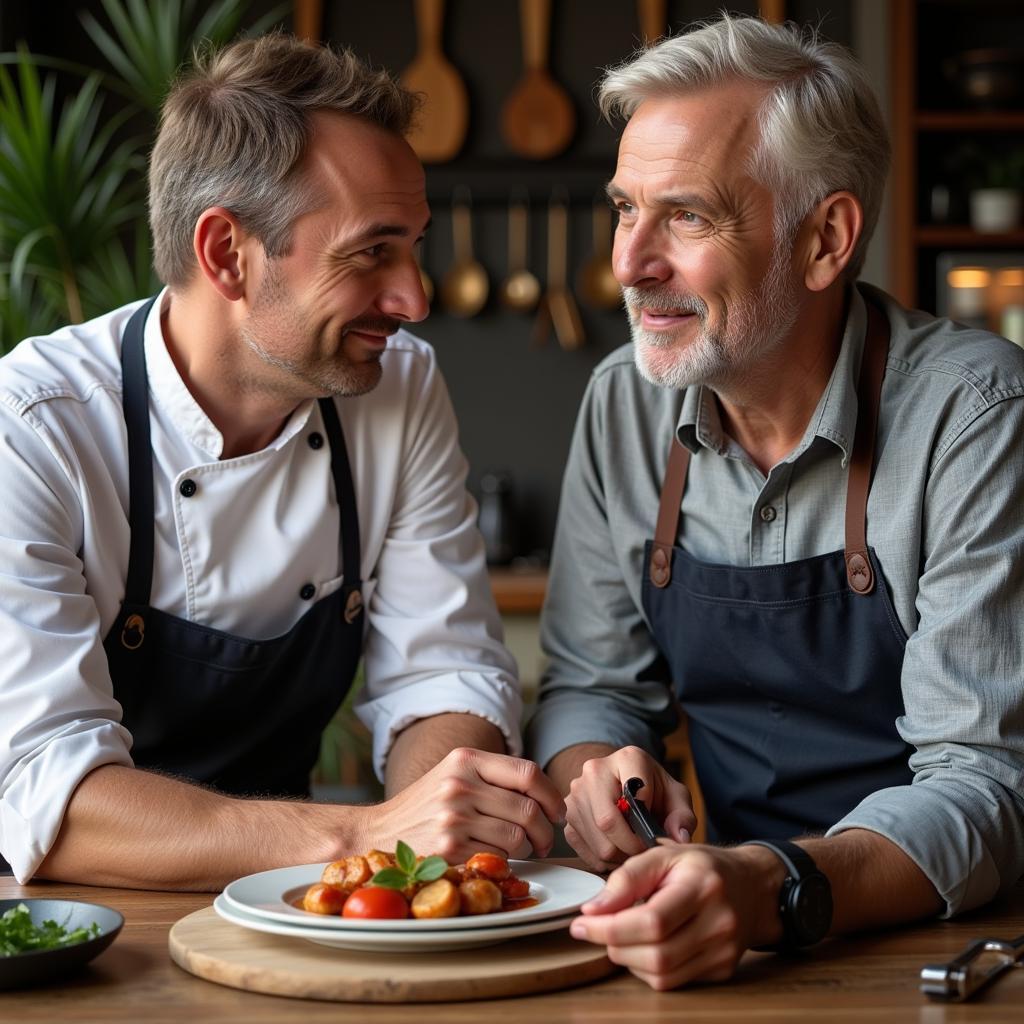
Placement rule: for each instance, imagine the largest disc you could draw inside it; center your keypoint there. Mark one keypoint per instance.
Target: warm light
(1010, 277)
(968, 277)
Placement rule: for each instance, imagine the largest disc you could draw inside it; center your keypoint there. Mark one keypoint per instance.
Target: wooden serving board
(208, 946)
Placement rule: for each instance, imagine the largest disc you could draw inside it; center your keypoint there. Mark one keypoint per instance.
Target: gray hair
(234, 129)
(821, 128)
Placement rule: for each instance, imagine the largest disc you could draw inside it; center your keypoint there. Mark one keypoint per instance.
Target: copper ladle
(597, 282)
(558, 307)
(464, 288)
(520, 290)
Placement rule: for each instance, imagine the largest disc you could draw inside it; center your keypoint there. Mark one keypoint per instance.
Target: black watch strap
(805, 900)
(797, 860)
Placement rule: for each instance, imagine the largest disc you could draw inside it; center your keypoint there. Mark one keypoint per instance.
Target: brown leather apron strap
(859, 573)
(667, 530)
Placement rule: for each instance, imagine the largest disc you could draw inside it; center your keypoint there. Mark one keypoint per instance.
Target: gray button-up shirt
(945, 517)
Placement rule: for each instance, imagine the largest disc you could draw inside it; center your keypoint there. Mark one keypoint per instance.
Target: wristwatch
(805, 899)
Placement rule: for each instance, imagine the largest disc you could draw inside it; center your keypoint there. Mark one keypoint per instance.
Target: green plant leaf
(429, 869)
(405, 857)
(390, 878)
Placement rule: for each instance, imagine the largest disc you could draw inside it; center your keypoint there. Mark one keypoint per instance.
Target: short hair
(821, 127)
(234, 129)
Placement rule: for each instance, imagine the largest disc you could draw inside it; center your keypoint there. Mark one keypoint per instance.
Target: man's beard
(274, 318)
(752, 327)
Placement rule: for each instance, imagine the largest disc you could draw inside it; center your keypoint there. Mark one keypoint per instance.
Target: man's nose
(403, 296)
(638, 259)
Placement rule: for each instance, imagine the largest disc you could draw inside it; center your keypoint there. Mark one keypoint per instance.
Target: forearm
(567, 764)
(427, 741)
(874, 884)
(130, 828)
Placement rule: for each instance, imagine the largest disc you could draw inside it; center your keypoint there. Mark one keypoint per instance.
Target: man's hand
(473, 801)
(595, 827)
(704, 907)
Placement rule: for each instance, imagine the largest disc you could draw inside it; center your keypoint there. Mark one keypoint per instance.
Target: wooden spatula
(442, 122)
(538, 119)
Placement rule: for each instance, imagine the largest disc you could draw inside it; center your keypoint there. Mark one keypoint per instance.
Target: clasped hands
(702, 906)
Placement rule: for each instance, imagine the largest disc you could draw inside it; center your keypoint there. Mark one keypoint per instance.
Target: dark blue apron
(244, 716)
(789, 674)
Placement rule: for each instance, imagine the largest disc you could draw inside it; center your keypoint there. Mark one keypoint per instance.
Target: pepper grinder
(496, 518)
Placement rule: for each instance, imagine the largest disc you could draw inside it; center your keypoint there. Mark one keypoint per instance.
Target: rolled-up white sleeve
(434, 640)
(58, 716)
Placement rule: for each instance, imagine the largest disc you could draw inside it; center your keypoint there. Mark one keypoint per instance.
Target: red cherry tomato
(376, 902)
(490, 865)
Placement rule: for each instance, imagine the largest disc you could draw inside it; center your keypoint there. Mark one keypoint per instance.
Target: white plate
(558, 890)
(391, 942)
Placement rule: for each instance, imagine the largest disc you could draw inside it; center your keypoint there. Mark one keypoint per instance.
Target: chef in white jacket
(219, 500)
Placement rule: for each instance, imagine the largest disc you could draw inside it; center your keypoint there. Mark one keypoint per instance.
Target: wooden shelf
(926, 121)
(970, 120)
(519, 591)
(960, 236)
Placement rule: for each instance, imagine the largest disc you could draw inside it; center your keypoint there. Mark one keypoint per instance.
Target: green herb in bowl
(18, 934)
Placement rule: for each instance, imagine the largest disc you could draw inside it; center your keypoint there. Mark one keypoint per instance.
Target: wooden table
(870, 978)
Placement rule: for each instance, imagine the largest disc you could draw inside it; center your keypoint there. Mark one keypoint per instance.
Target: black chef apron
(789, 674)
(244, 716)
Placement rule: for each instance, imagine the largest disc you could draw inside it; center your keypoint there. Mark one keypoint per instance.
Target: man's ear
(829, 237)
(220, 247)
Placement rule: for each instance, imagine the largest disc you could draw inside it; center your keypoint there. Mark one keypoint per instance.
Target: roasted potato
(379, 860)
(437, 899)
(349, 873)
(479, 896)
(324, 899)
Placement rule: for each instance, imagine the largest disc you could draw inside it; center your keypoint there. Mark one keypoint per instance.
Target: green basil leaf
(390, 878)
(405, 857)
(430, 869)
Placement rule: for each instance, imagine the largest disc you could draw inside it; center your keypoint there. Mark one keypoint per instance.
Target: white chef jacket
(234, 556)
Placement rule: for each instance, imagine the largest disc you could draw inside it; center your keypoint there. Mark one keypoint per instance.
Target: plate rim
(484, 922)
(380, 940)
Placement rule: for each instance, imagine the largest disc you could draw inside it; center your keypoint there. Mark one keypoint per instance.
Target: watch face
(812, 908)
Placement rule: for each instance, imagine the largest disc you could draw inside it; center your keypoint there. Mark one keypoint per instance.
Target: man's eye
(691, 218)
(375, 250)
(624, 209)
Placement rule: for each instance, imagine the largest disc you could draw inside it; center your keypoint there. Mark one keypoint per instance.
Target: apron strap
(669, 511)
(859, 573)
(135, 402)
(348, 524)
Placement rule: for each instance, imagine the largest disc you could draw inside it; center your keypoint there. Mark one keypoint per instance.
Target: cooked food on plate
(381, 885)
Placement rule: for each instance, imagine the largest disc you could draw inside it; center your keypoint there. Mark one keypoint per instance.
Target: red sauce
(518, 904)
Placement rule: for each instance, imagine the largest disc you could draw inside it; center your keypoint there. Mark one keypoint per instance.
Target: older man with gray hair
(793, 508)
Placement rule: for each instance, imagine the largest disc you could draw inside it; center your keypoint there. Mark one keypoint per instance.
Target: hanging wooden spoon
(597, 282)
(442, 122)
(520, 290)
(652, 20)
(538, 119)
(559, 307)
(465, 286)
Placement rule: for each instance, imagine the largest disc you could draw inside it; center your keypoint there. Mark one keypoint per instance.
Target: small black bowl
(50, 965)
